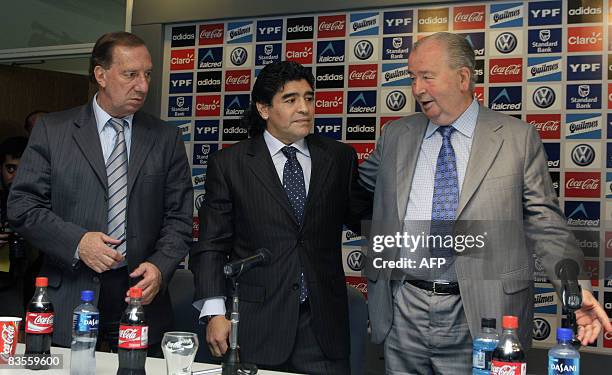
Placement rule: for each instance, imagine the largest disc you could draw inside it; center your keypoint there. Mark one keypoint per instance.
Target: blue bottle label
(85, 322)
(563, 366)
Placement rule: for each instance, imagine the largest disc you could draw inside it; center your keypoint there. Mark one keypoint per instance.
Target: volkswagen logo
(544, 35)
(543, 97)
(583, 155)
(238, 56)
(396, 100)
(363, 49)
(541, 329)
(505, 42)
(538, 265)
(584, 90)
(355, 260)
(198, 202)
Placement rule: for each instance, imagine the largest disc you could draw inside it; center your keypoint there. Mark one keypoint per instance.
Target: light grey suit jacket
(507, 193)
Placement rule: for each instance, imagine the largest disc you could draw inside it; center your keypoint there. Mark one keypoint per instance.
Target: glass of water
(179, 350)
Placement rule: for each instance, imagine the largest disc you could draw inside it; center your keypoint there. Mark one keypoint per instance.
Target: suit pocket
(53, 274)
(516, 281)
(252, 293)
(151, 178)
(503, 182)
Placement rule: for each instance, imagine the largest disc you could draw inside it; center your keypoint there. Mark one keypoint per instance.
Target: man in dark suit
(104, 190)
(289, 191)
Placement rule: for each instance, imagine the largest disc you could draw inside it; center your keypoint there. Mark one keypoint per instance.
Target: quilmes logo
(432, 20)
(330, 77)
(585, 96)
(209, 81)
(582, 214)
(396, 100)
(548, 125)
(505, 98)
(585, 39)
(545, 301)
(584, 11)
(505, 70)
(583, 155)
(395, 75)
(329, 102)
(363, 75)
(361, 128)
(269, 30)
(184, 126)
(181, 83)
(206, 130)
(583, 126)
(361, 102)
(396, 48)
(545, 13)
(330, 51)
(208, 105)
(236, 105)
(179, 106)
(329, 127)
(182, 59)
(363, 49)
(506, 42)
(300, 52)
(544, 69)
(544, 41)
(506, 15)
(364, 24)
(541, 329)
(210, 58)
(268, 53)
(211, 34)
(584, 68)
(300, 28)
(582, 184)
(332, 26)
(202, 151)
(239, 56)
(233, 130)
(477, 41)
(469, 17)
(183, 36)
(543, 97)
(239, 32)
(398, 22)
(553, 154)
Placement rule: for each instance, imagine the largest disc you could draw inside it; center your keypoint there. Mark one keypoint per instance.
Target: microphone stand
(572, 302)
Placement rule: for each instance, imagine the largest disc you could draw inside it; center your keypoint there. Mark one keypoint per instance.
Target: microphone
(261, 258)
(567, 272)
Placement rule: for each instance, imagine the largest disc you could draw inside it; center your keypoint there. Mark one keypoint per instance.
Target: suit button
(295, 286)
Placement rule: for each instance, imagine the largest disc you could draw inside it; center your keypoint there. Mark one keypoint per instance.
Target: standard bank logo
(181, 83)
(330, 51)
(236, 105)
(269, 30)
(239, 32)
(210, 58)
(544, 69)
(202, 151)
(396, 48)
(583, 125)
(361, 102)
(584, 68)
(582, 214)
(505, 98)
(544, 41)
(364, 24)
(399, 22)
(329, 127)
(585, 96)
(268, 53)
(179, 106)
(545, 13)
(506, 15)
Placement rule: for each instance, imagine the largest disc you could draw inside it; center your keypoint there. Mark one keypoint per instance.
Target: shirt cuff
(210, 306)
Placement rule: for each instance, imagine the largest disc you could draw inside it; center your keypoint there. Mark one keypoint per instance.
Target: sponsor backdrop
(546, 62)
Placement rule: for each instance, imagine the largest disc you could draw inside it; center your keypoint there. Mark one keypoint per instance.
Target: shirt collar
(102, 117)
(274, 145)
(465, 124)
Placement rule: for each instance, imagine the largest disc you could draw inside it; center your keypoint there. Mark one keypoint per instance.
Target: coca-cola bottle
(133, 337)
(39, 324)
(509, 357)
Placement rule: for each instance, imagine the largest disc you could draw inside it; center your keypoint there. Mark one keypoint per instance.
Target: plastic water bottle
(483, 347)
(85, 320)
(563, 358)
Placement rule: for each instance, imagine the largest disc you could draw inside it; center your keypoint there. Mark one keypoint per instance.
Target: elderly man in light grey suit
(467, 168)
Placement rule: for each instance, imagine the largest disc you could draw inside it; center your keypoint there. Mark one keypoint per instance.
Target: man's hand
(590, 318)
(95, 252)
(217, 334)
(150, 282)
(3, 239)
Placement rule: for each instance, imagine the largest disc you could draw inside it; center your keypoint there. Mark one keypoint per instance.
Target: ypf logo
(355, 260)
(541, 329)
(396, 100)
(238, 56)
(363, 49)
(583, 155)
(543, 97)
(505, 42)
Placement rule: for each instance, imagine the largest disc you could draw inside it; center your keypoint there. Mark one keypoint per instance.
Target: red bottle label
(39, 323)
(508, 368)
(133, 337)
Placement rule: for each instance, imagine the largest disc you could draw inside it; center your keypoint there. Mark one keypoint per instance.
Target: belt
(437, 287)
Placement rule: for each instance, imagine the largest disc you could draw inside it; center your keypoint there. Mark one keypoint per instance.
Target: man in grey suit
(459, 168)
(104, 190)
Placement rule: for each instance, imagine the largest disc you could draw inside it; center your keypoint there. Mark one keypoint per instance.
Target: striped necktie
(116, 170)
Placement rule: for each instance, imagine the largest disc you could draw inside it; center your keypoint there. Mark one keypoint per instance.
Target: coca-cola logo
(609, 244)
(471, 17)
(237, 80)
(550, 125)
(512, 69)
(504, 370)
(331, 26)
(587, 184)
(211, 34)
(8, 336)
(43, 320)
(365, 75)
(128, 334)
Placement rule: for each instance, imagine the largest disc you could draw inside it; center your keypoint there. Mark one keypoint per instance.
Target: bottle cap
(41, 282)
(510, 322)
(135, 292)
(87, 295)
(565, 334)
(488, 323)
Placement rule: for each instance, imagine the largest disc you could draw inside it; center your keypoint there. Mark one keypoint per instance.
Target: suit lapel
(408, 148)
(320, 165)
(485, 146)
(141, 144)
(88, 140)
(260, 163)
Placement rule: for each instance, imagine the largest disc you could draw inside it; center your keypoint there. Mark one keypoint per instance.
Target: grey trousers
(429, 334)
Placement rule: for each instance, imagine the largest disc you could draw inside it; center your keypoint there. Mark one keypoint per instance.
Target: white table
(107, 364)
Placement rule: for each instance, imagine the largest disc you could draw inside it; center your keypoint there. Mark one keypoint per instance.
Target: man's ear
(100, 75)
(263, 110)
(466, 78)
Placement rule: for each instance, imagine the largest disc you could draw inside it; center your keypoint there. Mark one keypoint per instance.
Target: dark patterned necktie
(293, 182)
(116, 171)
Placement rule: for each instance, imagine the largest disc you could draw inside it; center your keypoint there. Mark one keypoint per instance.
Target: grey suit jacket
(60, 193)
(507, 193)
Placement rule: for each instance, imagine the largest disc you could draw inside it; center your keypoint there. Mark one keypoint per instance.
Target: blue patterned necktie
(445, 194)
(293, 182)
(116, 171)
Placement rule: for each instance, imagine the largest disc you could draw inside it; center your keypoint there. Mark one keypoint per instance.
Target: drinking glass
(179, 350)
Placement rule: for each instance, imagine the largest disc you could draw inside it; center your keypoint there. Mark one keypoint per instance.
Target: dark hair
(14, 146)
(102, 53)
(271, 80)
(26, 124)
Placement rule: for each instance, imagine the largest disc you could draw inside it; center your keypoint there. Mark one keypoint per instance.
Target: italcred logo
(210, 58)
(505, 98)
(477, 41)
(361, 102)
(236, 105)
(582, 214)
(330, 51)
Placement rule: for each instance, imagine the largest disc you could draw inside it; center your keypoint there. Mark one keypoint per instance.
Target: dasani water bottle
(85, 320)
